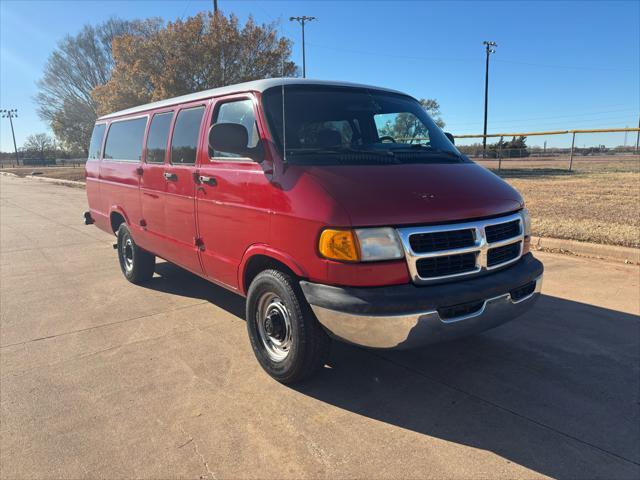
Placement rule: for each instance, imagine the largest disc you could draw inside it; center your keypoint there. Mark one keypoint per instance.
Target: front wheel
(286, 338)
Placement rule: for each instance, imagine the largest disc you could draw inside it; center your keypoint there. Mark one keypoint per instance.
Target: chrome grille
(498, 255)
(441, 252)
(502, 231)
(446, 265)
(436, 241)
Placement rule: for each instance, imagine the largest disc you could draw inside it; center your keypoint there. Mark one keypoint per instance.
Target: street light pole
(11, 114)
(490, 48)
(301, 21)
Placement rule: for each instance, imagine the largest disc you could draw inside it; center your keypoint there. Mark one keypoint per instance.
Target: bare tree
(39, 142)
(76, 67)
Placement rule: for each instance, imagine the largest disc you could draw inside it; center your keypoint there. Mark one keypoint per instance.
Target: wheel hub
(127, 254)
(274, 327)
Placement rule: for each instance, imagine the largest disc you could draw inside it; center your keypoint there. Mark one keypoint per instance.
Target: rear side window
(158, 136)
(96, 141)
(124, 140)
(184, 142)
(239, 111)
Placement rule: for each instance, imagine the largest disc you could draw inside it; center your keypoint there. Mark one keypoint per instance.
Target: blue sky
(558, 65)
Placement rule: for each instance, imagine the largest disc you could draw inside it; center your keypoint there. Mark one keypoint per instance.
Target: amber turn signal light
(339, 245)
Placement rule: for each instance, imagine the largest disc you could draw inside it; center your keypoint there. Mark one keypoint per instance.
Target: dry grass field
(64, 173)
(599, 201)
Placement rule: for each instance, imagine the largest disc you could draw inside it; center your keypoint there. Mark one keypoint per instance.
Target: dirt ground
(598, 201)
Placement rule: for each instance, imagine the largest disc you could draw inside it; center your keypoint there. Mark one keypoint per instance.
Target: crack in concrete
(196, 449)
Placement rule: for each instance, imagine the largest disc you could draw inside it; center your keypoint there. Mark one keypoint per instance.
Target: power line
(462, 59)
(595, 122)
(529, 119)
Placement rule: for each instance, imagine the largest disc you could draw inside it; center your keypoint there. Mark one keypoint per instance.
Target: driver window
(239, 111)
(402, 127)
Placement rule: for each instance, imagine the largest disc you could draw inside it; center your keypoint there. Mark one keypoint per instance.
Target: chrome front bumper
(407, 316)
(421, 328)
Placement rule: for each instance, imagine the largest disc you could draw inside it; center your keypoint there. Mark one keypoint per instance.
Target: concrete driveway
(100, 378)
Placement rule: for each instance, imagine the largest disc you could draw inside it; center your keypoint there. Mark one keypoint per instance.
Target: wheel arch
(262, 257)
(117, 216)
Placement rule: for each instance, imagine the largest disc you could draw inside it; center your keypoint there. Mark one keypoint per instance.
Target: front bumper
(407, 316)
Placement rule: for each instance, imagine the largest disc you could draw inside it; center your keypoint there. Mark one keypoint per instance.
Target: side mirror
(450, 137)
(233, 138)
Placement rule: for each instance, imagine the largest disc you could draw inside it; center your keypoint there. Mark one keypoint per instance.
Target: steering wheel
(387, 138)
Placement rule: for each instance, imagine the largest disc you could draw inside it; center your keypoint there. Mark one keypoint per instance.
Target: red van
(339, 210)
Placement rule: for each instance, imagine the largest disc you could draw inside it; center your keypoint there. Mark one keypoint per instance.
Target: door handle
(170, 176)
(211, 181)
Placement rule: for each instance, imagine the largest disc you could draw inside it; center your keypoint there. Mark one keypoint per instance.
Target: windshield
(332, 124)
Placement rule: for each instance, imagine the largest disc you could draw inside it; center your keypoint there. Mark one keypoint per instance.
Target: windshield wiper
(318, 150)
(435, 152)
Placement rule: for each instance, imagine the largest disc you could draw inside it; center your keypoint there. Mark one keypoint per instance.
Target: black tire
(137, 265)
(269, 293)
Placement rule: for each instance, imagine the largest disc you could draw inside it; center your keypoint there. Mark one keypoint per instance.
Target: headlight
(378, 244)
(360, 245)
(526, 222)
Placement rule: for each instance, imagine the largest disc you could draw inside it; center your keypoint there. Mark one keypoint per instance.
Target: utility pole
(215, 7)
(11, 114)
(301, 21)
(638, 137)
(490, 48)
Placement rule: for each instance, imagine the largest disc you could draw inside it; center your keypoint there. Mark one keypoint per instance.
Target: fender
(120, 210)
(267, 251)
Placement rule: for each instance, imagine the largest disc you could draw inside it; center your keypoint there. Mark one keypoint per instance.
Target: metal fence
(537, 155)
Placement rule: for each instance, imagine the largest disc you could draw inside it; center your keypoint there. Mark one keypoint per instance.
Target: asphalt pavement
(103, 379)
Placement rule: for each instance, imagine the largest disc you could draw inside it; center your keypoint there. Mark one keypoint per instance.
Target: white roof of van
(254, 86)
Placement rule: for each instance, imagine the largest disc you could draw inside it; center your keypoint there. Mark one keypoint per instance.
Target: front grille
(460, 310)
(446, 265)
(436, 252)
(502, 231)
(498, 255)
(437, 241)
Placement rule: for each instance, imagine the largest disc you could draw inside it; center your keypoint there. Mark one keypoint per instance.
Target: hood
(416, 193)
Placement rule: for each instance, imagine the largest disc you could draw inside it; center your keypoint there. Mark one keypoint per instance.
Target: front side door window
(241, 112)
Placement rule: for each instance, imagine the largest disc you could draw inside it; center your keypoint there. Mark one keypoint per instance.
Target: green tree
(408, 127)
(432, 107)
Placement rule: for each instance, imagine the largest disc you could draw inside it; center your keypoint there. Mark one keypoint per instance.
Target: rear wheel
(286, 338)
(137, 265)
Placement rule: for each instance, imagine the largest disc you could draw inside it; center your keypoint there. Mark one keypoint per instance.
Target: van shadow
(172, 279)
(554, 391)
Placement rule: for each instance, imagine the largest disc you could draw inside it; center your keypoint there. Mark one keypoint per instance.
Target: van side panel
(119, 178)
(119, 190)
(92, 177)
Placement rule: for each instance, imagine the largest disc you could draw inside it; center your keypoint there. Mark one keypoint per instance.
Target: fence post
(573, 142)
